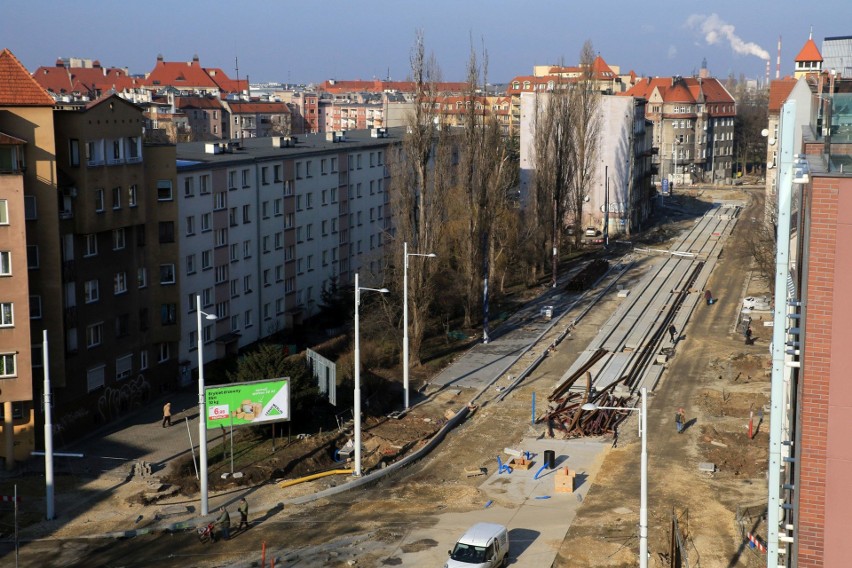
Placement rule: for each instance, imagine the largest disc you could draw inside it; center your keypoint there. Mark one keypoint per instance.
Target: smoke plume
(715, 30)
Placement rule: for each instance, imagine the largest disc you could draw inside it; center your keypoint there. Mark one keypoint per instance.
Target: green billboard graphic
(258, 402)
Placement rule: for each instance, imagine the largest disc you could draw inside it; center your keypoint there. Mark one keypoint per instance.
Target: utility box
(547, 312)
(564, 480)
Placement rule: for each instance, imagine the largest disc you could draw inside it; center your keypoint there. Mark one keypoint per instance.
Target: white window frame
(5, 360)
(5, 263)
(91, 291)
(94, 335)
(7, 314)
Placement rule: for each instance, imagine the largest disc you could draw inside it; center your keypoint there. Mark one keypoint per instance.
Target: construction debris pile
(566, 415)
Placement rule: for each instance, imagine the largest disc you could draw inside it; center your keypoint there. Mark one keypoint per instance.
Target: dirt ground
(721, 382)
(716, 377)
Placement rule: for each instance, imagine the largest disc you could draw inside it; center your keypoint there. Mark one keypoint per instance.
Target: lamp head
(210, 317)
(383, 290)
(589, 406)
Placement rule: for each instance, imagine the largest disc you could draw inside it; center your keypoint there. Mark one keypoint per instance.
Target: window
(334, 195)
(168, 314)
(264, 175)
(333, 165)
(141, 277)
(265, 244)
(248, 319)
(94, 335)
(279, 273)
(131, 196)
(220, 201)
(205, 184)
(279, 240)
(7, 317)
(91, 291)
(35, 307)
(264, 210)
(188, 187)
(235, 323)
(5, 263)
(99, 200)
(74, 152)
(190, 225)
(143, 360)
(221, 237)
(206, 259)
(207, 297)
(95, 378)
(235, 252)
(119, 285)
(30, 208)
(222, 310)
(117, 152)
(279, 306)
(235, 288)
(124, 367)
(7, 365)
(288, 220)
(309, 231)
(267, 277)
(298, 170)
(205, 222)
(289, 285)
(164, 353)
(232, 180)
(246, 214)
(167, 231)
(167, 274)
(277, 170)
(246, 284)
(246, 249)
(221, 274)
(164, 190)
(246, 173)
(118, 239)
(310, 262)
(116, 198)
(190, 264)
(278, 206)
(267, 314)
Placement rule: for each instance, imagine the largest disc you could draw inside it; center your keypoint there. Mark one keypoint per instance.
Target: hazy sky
(311, 41)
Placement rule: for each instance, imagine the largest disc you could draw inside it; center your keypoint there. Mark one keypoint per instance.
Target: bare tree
(419, 181)
(585, 128)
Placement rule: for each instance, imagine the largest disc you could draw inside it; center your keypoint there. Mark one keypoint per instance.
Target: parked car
(484, 545)
(592, 232)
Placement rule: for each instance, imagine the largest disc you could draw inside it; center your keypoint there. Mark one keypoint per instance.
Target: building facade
(265, 226)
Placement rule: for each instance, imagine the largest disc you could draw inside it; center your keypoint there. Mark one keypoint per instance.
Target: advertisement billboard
(257, 402)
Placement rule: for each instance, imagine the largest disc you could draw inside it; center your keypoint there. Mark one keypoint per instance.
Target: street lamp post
(202, 416)
(643, 493)
(357, 411)
(406, 254)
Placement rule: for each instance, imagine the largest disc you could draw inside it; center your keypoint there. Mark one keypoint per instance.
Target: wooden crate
(564, 480)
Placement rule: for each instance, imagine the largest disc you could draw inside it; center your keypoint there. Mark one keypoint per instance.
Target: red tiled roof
(779, 90)
(198, 102)
(179, 74)
(687, 89)
(17, 87)
(259, 108)
(225, 83)
(85, 80)
(378, 86)
(809, 52)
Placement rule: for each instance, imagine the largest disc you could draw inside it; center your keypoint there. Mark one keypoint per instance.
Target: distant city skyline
(372, 39)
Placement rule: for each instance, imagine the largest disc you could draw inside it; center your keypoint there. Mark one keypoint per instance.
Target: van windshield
(468, 553)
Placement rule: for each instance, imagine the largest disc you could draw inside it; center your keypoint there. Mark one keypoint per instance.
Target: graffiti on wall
(115, 402)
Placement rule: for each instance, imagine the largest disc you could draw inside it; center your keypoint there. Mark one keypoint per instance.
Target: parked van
(484, 545)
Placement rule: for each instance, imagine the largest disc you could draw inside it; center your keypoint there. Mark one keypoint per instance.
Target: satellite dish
(769, 165)
(764, 133)
(586, 199)
(772, 141)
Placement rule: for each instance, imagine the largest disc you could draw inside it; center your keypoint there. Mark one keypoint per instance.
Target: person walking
(167, 414)
(680, 420)
(748, 335)
(243, 510)
(224, 523)
(673, 332)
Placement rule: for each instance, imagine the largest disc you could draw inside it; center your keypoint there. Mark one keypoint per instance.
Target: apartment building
(119, 251)
(620, 191)
(29, 253)
(267, 222)
(251, 119)
(692, 125)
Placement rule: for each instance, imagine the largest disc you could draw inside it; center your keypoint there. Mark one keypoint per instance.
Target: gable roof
(17, 87)
(90, 81)
(779, 90)
(809, 52)
(190, 74)
(685, 90)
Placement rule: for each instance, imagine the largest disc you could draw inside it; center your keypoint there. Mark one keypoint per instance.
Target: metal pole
(357, 412)
(48, 429)
(485, 269)
(202, 415)
(191, 447)
(232, 445)
(606, 206)
(643, 504)
(16, 522)
(532, 421)
(405, 323)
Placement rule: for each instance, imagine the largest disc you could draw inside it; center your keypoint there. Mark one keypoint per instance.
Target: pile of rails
(565, 412)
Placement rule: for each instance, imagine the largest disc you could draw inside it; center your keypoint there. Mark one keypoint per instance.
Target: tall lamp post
(202, 416)
(643, 498)
(406, 254)
(357, 412)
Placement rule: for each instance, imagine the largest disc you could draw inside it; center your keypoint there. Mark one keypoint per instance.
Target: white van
(484, 545)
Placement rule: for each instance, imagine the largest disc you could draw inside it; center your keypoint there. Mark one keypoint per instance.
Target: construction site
(537, 430)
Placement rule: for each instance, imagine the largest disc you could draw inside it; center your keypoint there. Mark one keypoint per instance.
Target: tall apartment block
(265, 225)
(119, 252)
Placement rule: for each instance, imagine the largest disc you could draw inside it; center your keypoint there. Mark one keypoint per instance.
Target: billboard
(257, 402)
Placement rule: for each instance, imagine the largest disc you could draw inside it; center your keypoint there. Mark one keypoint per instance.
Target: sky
(309, 42)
